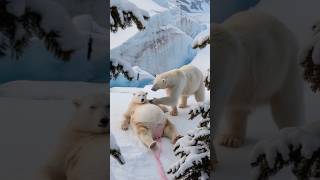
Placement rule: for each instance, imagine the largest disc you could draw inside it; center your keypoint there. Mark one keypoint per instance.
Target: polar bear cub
(180, 83)
(148, 121)
(255, 63)
(82, 151)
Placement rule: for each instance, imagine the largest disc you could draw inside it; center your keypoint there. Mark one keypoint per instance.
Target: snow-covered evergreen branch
(47, 20)
(310, 58)
(203, 109)
(201, 40)
(124, 13)
(194, 153)
(293, 147)
(118, 67)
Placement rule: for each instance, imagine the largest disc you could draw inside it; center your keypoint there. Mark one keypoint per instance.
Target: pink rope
(156, 154)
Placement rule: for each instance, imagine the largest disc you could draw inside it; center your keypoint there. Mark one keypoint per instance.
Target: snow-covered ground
(173, 34)
(140, 162)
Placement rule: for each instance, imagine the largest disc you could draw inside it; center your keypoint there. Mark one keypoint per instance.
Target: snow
(140, 162)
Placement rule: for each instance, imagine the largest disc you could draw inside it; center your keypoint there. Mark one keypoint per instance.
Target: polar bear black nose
(142, 100)
(104, 122)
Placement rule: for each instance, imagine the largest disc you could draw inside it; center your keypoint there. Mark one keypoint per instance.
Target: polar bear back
(194, 78)
(268, 55)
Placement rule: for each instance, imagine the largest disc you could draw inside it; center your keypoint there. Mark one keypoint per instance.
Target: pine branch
(20, 30)
(123, 19)
(117, 68)
(311, 71)
(203, 109)
(303, 168)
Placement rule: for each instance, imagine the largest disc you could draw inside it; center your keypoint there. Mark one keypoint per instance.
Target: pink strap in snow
(156, 154)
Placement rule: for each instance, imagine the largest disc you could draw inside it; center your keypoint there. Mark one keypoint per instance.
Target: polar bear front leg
(171, 132)
(183, 101)
(145, 136)
(234, 132)
(125, 122)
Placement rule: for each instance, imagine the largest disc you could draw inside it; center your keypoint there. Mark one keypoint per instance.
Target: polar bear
(82, 150)
(180, 83)
(148, 121)
(255, 62)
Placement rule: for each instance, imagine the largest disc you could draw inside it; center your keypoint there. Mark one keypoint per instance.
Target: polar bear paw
(230, 141)
(124, 126)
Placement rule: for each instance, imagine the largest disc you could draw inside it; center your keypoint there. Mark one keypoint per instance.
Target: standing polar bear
(180, 83)
(255, 62)
(82, 151)
(148, 121)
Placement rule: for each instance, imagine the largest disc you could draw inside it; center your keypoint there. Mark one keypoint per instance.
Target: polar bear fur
(255, 62)
(180, 83)
(148, 121)
(82, 150)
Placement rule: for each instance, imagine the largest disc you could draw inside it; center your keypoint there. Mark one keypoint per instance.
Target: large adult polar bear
(82, 151)
(179, 83)
(255, 62)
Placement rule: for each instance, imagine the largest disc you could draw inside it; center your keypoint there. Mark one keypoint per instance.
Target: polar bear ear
(76, 102)
(146, 93)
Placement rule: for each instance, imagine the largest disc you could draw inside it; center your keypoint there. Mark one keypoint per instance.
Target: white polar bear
(255, 62)
(82, 151)
(180, 83)
(148, 121)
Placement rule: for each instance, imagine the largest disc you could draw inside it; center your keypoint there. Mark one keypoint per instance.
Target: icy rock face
(192, 6)
(157, 49)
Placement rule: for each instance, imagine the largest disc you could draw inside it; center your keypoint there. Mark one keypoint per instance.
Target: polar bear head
(166, 80)
(91, 114)
(140, 97)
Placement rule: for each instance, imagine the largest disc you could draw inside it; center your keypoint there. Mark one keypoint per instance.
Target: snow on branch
(201, 40)
(194, 154)
(47, 20)
(124, 13)
(118, 67)
(294, 147)
(310, 58)
(202, 108)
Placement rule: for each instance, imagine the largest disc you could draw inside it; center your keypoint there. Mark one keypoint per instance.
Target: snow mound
(152, 49)
(49, 90)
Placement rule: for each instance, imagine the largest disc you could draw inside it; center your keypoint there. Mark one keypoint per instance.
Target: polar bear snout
(104, 122)
(154, 88)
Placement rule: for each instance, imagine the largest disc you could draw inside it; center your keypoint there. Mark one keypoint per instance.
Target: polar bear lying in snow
(148, 121)
(82, 151)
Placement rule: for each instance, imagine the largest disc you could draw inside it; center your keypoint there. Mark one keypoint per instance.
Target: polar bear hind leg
(234, 132)
(287, 105)
(200, 93)
(171, 132)
(145, 136)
